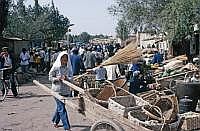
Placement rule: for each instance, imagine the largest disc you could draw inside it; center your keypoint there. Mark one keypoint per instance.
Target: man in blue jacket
(77, 63)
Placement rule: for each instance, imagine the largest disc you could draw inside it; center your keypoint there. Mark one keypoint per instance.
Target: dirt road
(33, 110)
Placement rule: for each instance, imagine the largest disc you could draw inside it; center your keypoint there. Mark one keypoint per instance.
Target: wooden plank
(61, 98)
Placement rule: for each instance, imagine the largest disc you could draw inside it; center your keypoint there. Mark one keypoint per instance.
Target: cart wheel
(105, 125)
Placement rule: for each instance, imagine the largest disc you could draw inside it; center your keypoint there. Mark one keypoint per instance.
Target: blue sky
(88, 15)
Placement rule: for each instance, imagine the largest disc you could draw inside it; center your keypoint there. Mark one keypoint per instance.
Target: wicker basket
(191, 121)
(160, 98)
(150, 96)
(101, 95)
(92, 93)
(139, 117)
(123, 104)
(121, 82)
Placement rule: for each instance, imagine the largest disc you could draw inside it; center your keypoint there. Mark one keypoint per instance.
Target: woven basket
(123, 104)
(101, 95)
(121, 82)
(191, 121)
(139, 117)
(151, 96)
(166, 98)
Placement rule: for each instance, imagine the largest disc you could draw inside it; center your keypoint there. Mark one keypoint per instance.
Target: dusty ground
(33, 110)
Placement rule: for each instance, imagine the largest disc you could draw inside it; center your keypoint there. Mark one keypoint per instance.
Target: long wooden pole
(61, 98)
(74, 87)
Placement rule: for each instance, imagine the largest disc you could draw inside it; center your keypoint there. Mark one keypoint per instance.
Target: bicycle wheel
(105, 125)
(3, 91)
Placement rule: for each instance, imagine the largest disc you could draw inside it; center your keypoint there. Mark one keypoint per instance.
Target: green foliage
(3, 14)
(122, 30)
(43, 23)
(84, 37)
(176, 17)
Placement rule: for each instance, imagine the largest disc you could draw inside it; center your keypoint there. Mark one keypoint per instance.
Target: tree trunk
(3, 15)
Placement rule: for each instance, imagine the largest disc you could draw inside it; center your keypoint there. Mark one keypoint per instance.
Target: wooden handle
(61, 98)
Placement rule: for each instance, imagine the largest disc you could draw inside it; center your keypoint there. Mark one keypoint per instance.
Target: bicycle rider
(6, 62)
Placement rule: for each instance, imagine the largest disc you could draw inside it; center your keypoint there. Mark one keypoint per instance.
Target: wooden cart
(104, 119)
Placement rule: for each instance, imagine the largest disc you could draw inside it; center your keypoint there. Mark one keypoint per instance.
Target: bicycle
(8, 81)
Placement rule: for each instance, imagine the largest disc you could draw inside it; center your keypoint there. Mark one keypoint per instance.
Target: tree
(84, 37)
(122, 30)
(176, 17)
(37, 22)
(3, 14)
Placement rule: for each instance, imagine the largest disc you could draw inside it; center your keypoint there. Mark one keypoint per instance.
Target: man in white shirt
(112, 72)
(24, 60)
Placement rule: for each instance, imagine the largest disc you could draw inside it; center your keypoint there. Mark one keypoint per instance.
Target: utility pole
(68, 30)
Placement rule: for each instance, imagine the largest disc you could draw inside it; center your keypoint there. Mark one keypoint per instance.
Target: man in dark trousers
(7, 61)
(77, 65)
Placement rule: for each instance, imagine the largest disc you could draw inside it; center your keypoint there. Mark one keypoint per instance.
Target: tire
(3, 91)
(105, 125)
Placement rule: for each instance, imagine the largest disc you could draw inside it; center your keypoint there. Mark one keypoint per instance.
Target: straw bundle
(173, 64)
(189, 66)
(181, 58)
(128, 54)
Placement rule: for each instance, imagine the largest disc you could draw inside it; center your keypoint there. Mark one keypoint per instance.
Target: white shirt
(112, 72)
(24, 58)
(81, 51)
(8, 61)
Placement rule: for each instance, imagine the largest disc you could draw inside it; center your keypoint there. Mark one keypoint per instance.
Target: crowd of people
(64, 63)
(81, 59)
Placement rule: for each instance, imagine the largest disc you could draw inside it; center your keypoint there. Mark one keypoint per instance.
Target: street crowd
(64, 63)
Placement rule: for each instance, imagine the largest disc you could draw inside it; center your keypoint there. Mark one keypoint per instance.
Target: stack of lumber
(127, 55)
